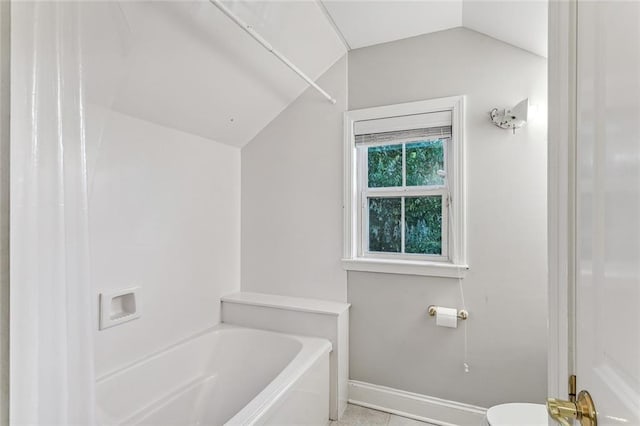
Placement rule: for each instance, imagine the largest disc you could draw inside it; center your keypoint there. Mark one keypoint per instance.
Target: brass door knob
(582, 410)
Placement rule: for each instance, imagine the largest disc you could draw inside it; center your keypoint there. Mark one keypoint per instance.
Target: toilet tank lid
(517, 414)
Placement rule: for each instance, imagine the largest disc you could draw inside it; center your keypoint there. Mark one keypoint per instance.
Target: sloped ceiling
(365, 23)
(187, 66)
(522, 23)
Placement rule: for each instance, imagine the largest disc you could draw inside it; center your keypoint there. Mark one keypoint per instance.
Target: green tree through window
(411, 165)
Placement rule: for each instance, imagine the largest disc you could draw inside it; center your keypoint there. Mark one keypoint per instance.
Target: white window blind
(403, 128)
(403, 122)
(404, 136)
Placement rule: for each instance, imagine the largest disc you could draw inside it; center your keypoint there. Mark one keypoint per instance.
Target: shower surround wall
(164, 211)
(292, 229)
(175, 88)
(168, 83)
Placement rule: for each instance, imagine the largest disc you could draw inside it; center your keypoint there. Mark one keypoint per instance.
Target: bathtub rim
(312, 349)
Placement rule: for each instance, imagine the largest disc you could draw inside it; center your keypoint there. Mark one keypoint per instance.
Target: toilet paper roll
(447, 317)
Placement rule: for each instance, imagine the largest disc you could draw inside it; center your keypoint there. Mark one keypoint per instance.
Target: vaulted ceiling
(522, 23)
(185, 65)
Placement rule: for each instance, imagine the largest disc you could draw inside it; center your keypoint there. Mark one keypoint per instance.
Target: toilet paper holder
(462, 313)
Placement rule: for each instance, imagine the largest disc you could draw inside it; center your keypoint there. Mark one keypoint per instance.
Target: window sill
(406, 267)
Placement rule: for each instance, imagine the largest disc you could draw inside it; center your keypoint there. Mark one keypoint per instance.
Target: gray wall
(393, 342)
(4, 211)
(292, 228)
(292, 198)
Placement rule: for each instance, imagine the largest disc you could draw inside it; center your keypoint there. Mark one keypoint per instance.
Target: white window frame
(453, 261)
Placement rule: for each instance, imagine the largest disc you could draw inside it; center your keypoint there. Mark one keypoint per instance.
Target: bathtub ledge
(317, 306)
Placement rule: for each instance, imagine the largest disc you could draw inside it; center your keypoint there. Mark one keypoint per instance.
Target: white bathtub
(228, 375)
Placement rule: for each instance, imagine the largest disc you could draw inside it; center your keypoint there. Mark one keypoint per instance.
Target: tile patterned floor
(361, 416)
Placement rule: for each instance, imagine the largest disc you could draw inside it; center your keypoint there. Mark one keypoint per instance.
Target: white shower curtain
(52, 375)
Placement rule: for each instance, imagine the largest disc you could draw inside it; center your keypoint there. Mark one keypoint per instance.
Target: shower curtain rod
(249, 30)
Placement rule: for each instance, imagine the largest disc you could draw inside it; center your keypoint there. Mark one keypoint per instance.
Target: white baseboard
(415, 406)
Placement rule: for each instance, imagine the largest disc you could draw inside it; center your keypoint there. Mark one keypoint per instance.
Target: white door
(608, 208)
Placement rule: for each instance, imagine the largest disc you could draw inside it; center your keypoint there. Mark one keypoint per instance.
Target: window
(404, 189)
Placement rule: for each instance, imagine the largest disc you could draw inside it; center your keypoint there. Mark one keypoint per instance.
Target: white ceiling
(522, 23)
(185, 65)
(365, 23)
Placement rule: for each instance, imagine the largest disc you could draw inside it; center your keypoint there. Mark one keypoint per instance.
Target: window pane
(424, 159)
(385, 166)
(385, 217)
(423, 224)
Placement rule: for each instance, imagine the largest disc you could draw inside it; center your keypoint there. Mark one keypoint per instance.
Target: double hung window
(402, 185)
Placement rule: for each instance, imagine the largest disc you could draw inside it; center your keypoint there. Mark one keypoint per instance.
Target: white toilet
(516, 414)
